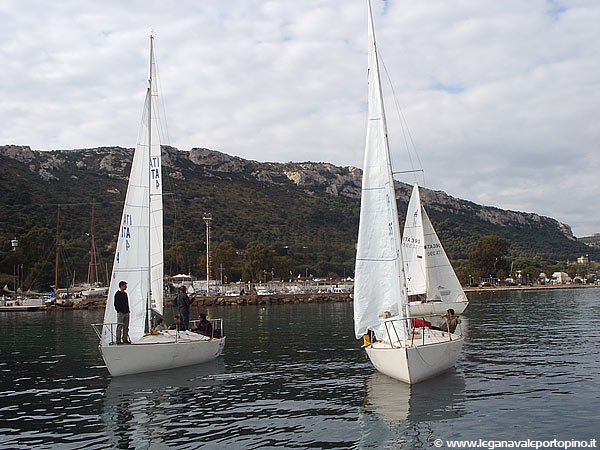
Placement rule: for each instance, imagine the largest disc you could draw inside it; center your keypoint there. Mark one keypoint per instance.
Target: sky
(501, 98)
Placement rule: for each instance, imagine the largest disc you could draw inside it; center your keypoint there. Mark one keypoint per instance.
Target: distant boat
(432, 284)
(94, 291)
(139, 262)
(18, 301)
(397, 345)
(21, 304)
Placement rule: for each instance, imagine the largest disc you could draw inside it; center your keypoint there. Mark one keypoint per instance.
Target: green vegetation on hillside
(261, 228)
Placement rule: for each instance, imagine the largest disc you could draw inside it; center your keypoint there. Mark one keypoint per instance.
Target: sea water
(294, 376)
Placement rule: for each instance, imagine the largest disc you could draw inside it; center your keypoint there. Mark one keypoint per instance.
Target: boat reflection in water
(399, 414)
(151, 409)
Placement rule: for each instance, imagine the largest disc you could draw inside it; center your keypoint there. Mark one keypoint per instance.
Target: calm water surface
(294, 376)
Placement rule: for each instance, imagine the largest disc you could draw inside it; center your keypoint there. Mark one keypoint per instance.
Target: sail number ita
(155, 170)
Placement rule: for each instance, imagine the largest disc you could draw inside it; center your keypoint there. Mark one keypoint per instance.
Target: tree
(283, 266)
(38, 243)
(487, 256)
(224, 255)
(186, 257)
(258, 258)
(530, 273)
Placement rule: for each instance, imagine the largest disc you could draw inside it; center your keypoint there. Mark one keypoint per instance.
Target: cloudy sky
(502, 98)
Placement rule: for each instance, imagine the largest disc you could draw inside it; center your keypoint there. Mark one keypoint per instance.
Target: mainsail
(379, 284)
(140, 241)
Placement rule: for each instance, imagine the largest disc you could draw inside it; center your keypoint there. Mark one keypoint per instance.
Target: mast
(396, 229)
(149, 298)
(92, 249)
(207, 218)
(57, 251)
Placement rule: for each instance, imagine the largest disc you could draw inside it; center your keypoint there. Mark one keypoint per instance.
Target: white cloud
(502, 98)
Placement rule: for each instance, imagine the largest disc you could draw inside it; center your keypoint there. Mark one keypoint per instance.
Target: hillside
(592, 241)
(307, 212)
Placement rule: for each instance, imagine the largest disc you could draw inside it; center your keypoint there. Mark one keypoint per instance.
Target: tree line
(257, 262)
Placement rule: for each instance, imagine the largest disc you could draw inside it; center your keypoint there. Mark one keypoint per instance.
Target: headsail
(442, 283)
(413, 246)
(156, 203)
(379, 280)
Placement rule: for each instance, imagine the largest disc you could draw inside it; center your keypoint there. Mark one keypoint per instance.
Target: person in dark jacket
(177, 324)
(183, 303)
(122, 307)
(204, 326)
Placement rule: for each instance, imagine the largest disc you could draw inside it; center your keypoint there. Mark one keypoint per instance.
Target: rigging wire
(164, 131)
(404, 126)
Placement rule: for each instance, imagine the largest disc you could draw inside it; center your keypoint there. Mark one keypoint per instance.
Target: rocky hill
(592, 241)
(313, 206)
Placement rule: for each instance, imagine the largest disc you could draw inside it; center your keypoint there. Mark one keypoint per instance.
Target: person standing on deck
(183, 303)
(122, 307)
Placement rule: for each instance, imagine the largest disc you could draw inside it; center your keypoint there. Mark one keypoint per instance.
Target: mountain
(592, 241)
(309, 210)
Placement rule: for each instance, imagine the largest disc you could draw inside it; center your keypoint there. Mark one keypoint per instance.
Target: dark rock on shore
(240, 300)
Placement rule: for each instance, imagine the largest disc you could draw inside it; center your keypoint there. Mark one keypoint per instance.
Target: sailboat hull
(436, 308)
(416, 363)
(155, 355)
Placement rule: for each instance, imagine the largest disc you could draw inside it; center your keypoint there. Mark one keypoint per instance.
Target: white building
(561, 278)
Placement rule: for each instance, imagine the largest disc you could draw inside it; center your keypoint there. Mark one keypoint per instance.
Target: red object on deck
(420, 323)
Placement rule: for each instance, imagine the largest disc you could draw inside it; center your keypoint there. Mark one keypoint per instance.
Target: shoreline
(537, 287)
(294, 299)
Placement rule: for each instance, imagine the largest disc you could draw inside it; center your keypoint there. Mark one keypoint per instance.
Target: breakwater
(237, 300)
(325, 297)
(274, 299)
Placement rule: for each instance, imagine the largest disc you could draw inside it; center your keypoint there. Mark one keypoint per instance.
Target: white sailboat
(139, 262)
(401, 350)
(432, 284)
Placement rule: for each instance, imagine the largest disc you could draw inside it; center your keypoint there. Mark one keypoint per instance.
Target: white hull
(435, 308)
(23, 308)
(416, 362)
(162, 352)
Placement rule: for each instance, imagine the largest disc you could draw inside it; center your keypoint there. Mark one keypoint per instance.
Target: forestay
(379, 280)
